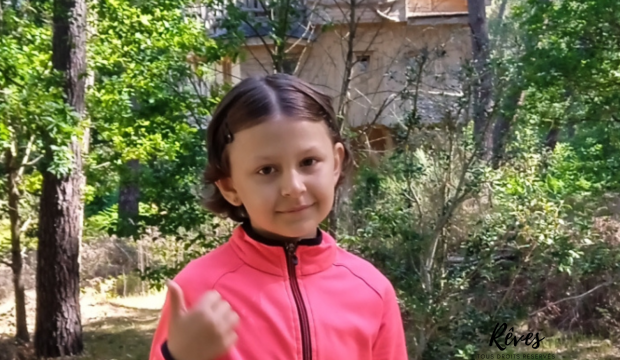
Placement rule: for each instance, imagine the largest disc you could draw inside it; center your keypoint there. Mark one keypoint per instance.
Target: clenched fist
(204, 332)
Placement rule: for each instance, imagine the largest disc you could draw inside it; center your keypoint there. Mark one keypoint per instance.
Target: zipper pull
(290, 249)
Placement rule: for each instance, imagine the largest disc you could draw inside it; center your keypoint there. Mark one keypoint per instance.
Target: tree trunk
(349, 62)
(342, 112)
(129, 199)
(502, 10)
(332, 217)
(552, 137)
(507, 116)
(16, 251)
(482, 82)
(500, 134)
(570, 130)
(58, 325)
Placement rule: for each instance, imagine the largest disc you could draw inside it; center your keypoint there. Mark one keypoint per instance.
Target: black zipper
(291, 262)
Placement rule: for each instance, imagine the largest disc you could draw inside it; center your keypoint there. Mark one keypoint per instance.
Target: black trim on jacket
(165, 352)
(247, 227)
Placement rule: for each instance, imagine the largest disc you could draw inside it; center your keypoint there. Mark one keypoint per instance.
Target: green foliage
(466, 246)
(568, 42)
(534, 223)
(143, 96)
(174, 189)
(101, 223)
(147, 105)
(571, 61)
(31, 96)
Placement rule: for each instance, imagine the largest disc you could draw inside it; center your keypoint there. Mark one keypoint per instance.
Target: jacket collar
(249, 231)
(269, 255)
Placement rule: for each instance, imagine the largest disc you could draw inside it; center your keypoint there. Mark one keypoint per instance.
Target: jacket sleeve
(390, 342)
(159, 350)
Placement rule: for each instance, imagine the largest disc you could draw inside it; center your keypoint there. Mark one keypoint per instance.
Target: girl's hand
(204, 332)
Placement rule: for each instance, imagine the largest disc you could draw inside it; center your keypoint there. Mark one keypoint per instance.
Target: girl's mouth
(296, 209)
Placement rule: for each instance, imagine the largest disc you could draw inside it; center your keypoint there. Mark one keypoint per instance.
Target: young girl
(280, 288)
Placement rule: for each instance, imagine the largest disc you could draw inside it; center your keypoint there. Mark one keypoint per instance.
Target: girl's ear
(338, 160)
(227, 189)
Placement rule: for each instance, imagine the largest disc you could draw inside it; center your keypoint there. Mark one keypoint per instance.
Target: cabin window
(363, 62)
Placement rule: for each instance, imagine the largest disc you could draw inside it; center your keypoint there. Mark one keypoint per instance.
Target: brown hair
(251, 102)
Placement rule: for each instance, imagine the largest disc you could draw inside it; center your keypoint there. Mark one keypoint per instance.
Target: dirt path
(122, 328)
(114, 329)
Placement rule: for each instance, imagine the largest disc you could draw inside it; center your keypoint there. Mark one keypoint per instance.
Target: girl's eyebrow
(263, 158)
(309, 149)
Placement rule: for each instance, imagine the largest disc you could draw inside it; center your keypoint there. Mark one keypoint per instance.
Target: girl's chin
(296, 230)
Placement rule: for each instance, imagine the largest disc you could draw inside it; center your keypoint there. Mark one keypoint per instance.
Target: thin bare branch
(514, 279)
(264, 6)
(322, 85)
(34, 161)
(301, 62)
(20, 172)
(25, 225)
(308, 26)
(14, 153)
(459, 196)
(346, 77)
(301, 38)
(101, 165)
(342, 11)
(220, 72)
(366, 95)
(329, 55)
(265, 44)
(388, 100)
(174, 88)
(385, 16)
(414, 199)
(260, 62)
(574, 297)
(280, 50)
(197, 91)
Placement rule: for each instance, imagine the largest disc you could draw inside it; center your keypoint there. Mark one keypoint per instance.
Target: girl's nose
(292, 184)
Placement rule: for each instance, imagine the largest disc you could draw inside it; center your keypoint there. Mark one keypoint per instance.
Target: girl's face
(284, 171)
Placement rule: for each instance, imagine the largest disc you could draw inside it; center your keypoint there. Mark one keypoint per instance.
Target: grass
(125, 332)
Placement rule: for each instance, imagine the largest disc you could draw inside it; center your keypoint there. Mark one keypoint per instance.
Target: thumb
(176, 299)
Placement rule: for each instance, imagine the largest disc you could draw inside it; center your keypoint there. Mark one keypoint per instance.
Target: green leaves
(573, 47)
(151, 101)
(31, 96)
(62, 163)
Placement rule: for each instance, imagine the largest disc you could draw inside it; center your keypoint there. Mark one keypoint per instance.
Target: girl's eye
(266, 170)
(308, 162)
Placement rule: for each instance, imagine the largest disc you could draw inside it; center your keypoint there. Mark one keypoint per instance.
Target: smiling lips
(296, 209)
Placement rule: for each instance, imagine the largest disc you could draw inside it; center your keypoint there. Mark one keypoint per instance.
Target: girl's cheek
(266, 190)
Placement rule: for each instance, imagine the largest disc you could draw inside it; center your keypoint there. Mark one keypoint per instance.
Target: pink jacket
(313, 301)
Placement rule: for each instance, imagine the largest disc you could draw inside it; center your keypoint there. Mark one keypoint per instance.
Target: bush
(468, 247)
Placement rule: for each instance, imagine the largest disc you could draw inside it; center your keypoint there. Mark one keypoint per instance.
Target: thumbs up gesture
(204, 332)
